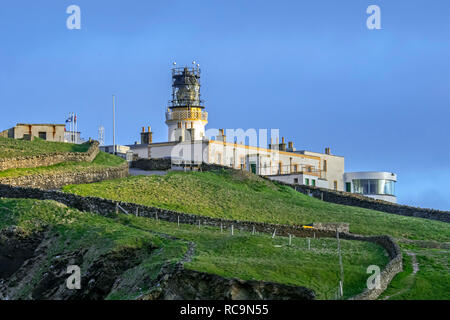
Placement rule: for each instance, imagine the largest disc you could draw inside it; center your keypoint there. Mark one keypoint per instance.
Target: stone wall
(52, 181)
(356, 200)
(50, 159)
(109, 207)
(328, 195)
(152, 164)
(166, 164)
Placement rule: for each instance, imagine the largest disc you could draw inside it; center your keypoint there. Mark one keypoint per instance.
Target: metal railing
(293, 169)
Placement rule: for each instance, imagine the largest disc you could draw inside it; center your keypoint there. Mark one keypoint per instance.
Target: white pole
(341, 282)
(76, 128)
(309, 244)
(290, 239)
(114, 124)
(232, 230)
(71, 125)
(274, 232)
(178, 221)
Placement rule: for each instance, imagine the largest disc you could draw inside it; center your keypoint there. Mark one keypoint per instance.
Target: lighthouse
(186, 117)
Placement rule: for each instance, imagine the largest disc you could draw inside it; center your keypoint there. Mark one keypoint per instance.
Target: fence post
(137, 212)
(117, 208)
(341, 282)
(178, 221)
(290, 239)
(156, 215)
(253, 231)
(221, 228)
(274, 232)
(199, 224)
(309, 244)
(232, 230)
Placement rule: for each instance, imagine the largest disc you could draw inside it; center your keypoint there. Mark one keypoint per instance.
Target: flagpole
(114, 124)
(71, 128)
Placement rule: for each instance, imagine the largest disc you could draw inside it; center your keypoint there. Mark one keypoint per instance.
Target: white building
(188, 141)
(376, 185)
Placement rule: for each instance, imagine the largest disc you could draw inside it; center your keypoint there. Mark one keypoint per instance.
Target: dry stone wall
(351, 199)
(107, 207)
(52, 181)
(50, 159)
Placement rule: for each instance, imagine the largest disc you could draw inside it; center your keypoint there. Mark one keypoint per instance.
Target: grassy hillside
(246, 197)
(10, 148)
(103, 160)
(241, 256)
(69, 230)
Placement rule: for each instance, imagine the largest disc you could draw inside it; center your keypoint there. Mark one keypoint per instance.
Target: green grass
(103, 160)
(246, 197)
(431, 282)
(74, 230)
(241, 256)
(259, 257)
(10, 148)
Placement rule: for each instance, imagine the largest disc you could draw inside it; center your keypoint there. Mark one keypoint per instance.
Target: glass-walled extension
(372, 186)
(377, 185)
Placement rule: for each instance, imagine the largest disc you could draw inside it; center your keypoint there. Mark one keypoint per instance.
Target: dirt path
(416, 268)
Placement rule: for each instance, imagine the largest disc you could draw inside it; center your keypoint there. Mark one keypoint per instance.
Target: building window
(296, 180)
(219, 158)
(295, 167)
(307, 181)
(313, 182)
(374, 186)
(43, 135)
(335, 185)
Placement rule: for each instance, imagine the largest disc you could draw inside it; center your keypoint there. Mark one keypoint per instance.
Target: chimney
(327, 151)
(290, 146)
(282, 146)
(146, 137)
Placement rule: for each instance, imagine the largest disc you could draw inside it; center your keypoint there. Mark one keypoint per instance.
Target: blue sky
(312, 69)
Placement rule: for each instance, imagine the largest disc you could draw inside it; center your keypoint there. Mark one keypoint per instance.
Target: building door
(348, 186)
(253, 166)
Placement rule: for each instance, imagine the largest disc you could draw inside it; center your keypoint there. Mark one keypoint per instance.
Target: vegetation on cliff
(101, 161)
(149, 244)
(242, 196)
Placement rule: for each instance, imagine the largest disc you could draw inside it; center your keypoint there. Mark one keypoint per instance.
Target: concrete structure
(376, 185)
(120, 150)
(49, 132)
(188, 142)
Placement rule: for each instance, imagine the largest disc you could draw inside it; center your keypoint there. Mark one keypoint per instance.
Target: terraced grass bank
(243, 196)
(104, 166)
(88, 239)
(13, 148)
(246, 197)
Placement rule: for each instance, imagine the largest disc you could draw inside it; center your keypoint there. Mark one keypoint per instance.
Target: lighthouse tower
(186, 116)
